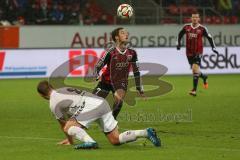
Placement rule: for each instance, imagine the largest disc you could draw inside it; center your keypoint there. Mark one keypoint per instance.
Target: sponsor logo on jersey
(122, 64)
(192, 35)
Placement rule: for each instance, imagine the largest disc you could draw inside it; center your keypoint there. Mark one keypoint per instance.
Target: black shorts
(195, 60)
(102, 89)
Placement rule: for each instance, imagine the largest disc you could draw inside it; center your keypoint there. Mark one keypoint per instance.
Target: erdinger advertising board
(29, 63)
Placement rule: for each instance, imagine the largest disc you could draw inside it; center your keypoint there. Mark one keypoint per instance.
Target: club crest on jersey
(198, 31)
(129, 57)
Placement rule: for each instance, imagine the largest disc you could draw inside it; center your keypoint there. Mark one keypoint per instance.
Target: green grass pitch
(210, 130)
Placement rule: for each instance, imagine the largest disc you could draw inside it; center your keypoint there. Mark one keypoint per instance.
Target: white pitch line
(30, 138)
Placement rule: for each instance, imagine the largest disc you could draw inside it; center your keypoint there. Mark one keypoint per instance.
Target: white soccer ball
(125, 11)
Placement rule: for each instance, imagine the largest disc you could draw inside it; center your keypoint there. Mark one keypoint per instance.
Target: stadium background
(36, 36)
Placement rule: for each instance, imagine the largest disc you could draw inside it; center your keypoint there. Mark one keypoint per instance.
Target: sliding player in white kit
(75, 110)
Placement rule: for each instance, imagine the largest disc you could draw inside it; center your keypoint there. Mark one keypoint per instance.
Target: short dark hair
(44, 87)
(115, 33)
(196, 13)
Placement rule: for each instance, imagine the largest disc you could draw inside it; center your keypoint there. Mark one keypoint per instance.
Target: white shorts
(106, 122)
(101, 113)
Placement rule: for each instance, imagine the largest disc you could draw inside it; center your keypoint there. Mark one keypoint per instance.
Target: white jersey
(70, 102)
(85, 107)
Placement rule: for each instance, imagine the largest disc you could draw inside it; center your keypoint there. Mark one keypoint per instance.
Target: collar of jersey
(121, 51)
(195, 27)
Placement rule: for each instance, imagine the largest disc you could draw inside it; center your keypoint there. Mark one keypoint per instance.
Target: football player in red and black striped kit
(119, 59)
(194, 48)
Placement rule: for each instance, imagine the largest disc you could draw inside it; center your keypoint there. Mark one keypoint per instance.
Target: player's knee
(118, 100)
(65, 129)
(67, 126)
(195, 69)
(119, 95)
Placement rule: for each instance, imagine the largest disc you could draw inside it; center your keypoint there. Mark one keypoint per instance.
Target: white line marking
(29, 138)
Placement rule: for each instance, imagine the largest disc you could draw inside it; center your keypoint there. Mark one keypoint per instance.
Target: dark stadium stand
(91, 12)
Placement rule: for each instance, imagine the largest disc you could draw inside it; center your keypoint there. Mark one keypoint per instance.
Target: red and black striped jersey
(194, 39)
(119, 65)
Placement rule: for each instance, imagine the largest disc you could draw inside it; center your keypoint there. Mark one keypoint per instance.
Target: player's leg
(117, 138)
(74, 129)
(119, 95)
(195, 63)
(109, 127)
(195, 78)
(195, 71)
(102, 89)
(204, 78)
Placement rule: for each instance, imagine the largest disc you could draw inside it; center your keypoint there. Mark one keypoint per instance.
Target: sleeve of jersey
(180, 35)
(101, 63)
(136, 73)
(209, 37)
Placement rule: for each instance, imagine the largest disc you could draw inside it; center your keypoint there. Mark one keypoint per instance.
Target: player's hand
(215, 51)
(96, 75)
(142, 95)
(178, 47)
(64, 142)
(97, 78)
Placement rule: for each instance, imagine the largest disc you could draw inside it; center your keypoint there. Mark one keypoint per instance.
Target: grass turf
(204, 127)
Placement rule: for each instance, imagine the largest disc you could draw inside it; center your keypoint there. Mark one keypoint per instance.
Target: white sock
(79, 134)
(141, 133)
(130, 136)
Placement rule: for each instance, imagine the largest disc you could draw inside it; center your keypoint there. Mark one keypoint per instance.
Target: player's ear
(117, 38)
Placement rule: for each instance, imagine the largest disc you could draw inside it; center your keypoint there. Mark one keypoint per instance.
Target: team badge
(198, 31)
(129, 57)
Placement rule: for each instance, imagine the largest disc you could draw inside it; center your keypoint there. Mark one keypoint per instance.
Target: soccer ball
(125, 11)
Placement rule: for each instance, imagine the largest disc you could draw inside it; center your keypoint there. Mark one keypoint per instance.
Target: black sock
(195, 81)
(203, 76)
(117, 108)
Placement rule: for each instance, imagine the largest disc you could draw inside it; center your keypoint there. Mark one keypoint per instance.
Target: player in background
(118, 59)
(194, 48)
(75, 110)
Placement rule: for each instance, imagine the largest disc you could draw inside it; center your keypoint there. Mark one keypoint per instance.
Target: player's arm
(59, 115)
(101, 63)
(137, 75)
(210, 40)
(179, 38)
(69, 139)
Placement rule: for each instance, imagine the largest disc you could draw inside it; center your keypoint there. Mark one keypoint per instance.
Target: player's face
(123, 35)
(195, 18)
